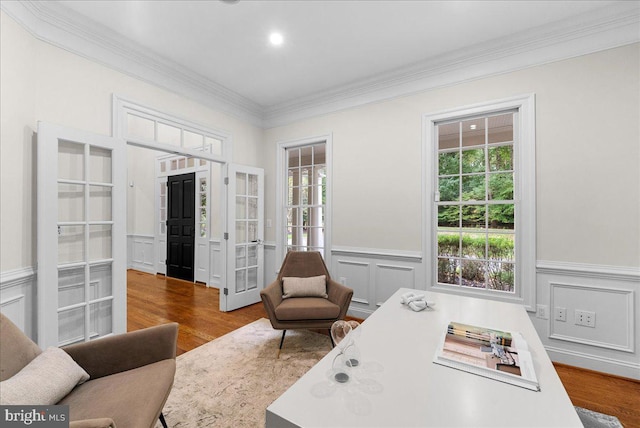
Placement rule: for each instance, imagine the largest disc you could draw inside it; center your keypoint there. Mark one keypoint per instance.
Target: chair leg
(162, 421)
(333, 345)
(281, 342)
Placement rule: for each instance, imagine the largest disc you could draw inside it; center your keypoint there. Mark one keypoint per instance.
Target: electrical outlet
(560, 313)
(585, 318)
(542, 312)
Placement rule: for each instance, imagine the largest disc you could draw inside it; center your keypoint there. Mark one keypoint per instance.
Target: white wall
(588, 197)
(587, 159)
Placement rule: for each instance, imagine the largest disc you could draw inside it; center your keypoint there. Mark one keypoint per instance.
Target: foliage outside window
(475, 203)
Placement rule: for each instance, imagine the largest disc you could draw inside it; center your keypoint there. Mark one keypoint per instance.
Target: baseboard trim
(596, 363)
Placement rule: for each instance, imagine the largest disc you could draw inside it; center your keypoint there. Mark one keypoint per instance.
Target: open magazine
(495, 354)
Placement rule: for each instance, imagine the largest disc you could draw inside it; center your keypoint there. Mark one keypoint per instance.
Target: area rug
(230, 381)
(591, 419)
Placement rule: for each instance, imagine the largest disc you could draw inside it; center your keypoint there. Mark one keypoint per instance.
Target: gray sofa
(130, 375)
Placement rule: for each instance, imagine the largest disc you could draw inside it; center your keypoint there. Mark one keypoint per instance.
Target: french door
(81, 217)
(245, 249)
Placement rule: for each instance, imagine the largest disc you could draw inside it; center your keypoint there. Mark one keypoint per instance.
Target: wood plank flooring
(154, 299)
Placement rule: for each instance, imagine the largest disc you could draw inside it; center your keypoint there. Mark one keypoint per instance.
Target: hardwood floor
(154, 299)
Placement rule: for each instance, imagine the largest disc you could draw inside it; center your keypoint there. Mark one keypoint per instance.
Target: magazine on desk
(499, 355)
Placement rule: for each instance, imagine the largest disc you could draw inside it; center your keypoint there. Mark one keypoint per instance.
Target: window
(304, 197)
(481, 206)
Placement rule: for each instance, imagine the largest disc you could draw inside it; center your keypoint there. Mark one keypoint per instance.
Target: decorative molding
(12, 300)
(413, 256)
(141, 253)
(360, 296)
(628, 309)
(16, 277)
(68, 30)
(619, 273)
(613, 26)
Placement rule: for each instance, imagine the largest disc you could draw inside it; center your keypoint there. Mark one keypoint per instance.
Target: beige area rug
(230, 381)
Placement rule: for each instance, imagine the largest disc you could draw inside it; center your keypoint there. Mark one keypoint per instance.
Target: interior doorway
(181, 226)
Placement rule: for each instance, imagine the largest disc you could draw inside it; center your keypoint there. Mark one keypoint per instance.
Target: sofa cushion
(313, 286)
(44, 381)
(131, 398)
(307, 308)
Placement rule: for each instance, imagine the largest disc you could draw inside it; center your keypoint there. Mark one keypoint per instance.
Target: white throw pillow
(313, 286)
(45, 381)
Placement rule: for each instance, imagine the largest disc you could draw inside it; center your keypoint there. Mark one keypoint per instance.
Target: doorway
(181, 226)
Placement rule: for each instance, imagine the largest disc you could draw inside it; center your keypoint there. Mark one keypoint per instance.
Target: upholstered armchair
(304, 296)
(122, 380)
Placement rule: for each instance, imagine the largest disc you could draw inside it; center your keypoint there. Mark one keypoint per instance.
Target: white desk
(415, 391)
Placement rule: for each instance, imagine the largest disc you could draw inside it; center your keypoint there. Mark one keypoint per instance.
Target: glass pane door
(245, 270)
(77, 240)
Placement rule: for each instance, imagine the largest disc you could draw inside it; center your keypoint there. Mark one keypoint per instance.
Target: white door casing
(81, 248)
(244, 238)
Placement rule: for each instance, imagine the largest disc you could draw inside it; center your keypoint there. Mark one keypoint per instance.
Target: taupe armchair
(288, 313)
(130, 375)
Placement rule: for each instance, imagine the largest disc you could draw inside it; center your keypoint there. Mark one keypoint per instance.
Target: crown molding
(607, 28)
(66, 29)
(614, 26)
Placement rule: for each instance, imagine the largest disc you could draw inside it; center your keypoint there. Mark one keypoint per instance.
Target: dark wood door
(181, 226)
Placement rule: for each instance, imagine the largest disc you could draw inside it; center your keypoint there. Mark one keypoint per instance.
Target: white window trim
(524, 162)
(281, 190)
(122, 107)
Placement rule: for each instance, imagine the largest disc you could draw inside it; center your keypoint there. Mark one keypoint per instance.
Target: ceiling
(330, 47)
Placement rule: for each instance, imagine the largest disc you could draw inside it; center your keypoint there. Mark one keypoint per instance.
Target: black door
(181, 226)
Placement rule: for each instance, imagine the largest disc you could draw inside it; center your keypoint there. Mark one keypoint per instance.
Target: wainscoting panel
(203, 259)
(215, 272)
(270, 268)
(612, 310)
(141, 253)
(375, 275)
(357, 276)
(389, 278)
(612, 294)
(17, 299)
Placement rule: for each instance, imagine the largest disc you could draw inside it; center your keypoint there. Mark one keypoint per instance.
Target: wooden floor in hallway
(155, 299)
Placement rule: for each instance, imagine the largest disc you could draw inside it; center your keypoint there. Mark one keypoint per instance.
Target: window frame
(281, 194)
(524, 197)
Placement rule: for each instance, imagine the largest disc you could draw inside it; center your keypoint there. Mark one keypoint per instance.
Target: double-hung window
(480, 167)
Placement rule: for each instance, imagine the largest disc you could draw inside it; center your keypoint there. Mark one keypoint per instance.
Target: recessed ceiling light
(276, 39)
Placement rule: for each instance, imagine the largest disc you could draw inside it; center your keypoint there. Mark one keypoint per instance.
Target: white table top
(397, 348)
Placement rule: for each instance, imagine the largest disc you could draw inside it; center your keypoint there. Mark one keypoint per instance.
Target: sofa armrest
(93, 423)
(115, 354)
(340, 295)
(271, 297)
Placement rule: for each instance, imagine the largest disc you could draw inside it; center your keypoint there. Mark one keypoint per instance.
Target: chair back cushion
(312, 286)
(303, 264)
(17, 349)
